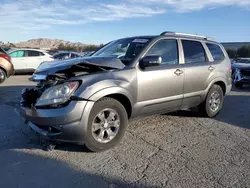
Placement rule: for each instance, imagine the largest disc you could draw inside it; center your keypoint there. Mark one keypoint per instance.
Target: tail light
(5, 57)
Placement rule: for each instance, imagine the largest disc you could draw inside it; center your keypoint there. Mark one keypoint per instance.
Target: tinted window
(19, 53)
(193, 52)
(74, 55)
(242, 61)
(41, 54)
(61, 56)
(216, 52)
(167, 50)
(33, 53)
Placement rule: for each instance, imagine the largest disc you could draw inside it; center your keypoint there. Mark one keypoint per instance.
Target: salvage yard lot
(174, 150)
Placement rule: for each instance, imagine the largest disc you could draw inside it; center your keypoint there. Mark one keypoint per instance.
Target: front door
(160, 88)
(19, 60)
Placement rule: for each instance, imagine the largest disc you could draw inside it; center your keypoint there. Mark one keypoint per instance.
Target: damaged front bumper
(240, 78)
(59, 124)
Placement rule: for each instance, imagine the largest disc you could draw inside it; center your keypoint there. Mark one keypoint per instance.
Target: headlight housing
(58, 94)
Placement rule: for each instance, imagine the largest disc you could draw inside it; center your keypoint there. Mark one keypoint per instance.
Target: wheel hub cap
(105, 125)
(215, 101)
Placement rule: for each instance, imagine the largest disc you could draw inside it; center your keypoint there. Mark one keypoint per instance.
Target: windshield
(242, 61)
(124, 49)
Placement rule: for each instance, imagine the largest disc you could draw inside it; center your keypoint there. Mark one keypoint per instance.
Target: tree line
(244, 51)
(85, 48)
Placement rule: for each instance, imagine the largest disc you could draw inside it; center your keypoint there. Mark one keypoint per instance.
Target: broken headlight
(58, 94)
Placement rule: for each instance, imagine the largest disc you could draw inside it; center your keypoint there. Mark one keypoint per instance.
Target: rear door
(18, 59)
(34, 58)
(197, 72)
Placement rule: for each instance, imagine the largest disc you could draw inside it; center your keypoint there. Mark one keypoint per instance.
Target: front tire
(107, 124)
(2, 76)
(213, 102)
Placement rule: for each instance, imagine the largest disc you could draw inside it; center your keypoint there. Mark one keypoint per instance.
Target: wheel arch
(5, 71)
(120, 94)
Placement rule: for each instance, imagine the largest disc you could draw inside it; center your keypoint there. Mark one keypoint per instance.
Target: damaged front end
(241, 76)
(53, 86)
(53, 108)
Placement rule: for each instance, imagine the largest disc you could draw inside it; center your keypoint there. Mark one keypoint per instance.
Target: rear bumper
(61, 124)
(228, 88)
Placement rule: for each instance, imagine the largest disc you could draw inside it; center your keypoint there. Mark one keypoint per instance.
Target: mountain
(45, 43)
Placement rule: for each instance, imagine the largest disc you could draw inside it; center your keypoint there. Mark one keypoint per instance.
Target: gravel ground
(175, 150)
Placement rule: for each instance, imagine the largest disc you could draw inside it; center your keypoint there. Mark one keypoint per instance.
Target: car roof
(63, 52)
(177, 36)
(33, 49)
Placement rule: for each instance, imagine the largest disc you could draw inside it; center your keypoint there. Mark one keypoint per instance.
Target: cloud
(193, 5)
(43, 14)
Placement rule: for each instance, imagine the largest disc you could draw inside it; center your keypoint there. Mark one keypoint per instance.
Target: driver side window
(167, 49)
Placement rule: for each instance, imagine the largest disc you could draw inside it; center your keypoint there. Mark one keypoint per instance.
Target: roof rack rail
(186, 35)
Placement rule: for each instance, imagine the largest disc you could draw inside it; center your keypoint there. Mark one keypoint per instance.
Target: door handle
(211, 68)
(178, 72)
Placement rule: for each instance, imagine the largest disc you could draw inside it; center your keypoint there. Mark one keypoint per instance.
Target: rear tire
(2, 76)
(108, 133)
(213, 102)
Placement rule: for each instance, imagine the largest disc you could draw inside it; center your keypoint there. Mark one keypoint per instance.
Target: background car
(6, 66)
(87, 53)
(27, 60)
(241, 71)
(66, 55)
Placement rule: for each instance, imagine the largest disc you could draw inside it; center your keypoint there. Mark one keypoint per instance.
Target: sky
(100, 21)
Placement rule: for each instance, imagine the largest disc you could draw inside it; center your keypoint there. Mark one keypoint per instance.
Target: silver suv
(89, 100)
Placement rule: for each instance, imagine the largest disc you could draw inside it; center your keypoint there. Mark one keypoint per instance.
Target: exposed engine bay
(50, 74)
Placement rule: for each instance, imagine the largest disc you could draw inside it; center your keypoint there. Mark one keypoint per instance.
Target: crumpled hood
(52, 67)
(241, 65)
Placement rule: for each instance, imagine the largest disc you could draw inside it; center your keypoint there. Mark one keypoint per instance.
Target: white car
(28, 59)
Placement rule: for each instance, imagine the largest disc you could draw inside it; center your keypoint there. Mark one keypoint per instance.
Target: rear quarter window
(216, 51)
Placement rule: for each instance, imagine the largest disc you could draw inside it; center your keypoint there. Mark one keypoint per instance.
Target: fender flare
(217, 79)
(110, 91)
(97, 96)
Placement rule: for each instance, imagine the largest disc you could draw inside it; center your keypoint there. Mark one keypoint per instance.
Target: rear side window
(61, 55)
(193, 52)
(19, 53)
(74, 55)
(33, 53)
(216, 52)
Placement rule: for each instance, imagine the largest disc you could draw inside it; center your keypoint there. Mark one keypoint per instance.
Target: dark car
(66, 55)
(6, 66)
(241, 71)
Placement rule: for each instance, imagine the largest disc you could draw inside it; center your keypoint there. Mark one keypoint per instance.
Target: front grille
(245, 72)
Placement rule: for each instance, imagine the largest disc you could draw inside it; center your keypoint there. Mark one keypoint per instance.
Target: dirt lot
(175, 150)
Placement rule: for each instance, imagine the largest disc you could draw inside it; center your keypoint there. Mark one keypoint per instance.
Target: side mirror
(150, 61)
